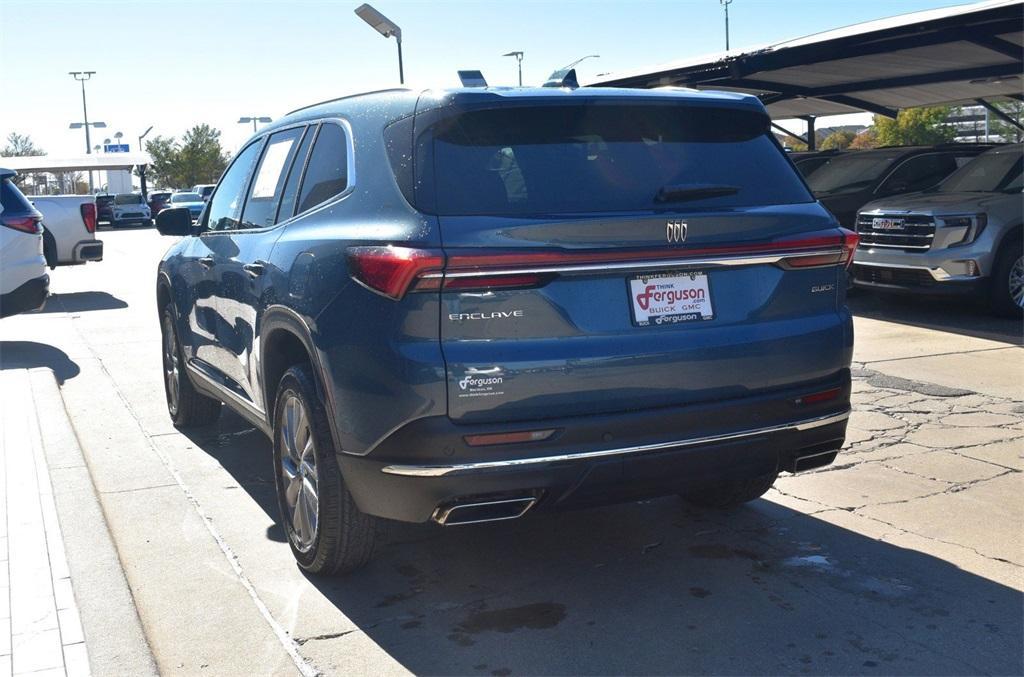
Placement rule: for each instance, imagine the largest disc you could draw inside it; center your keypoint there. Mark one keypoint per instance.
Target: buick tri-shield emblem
(675, 231)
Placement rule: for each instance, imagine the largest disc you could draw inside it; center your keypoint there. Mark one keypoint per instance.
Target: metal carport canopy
(941, 56)
(81, 163)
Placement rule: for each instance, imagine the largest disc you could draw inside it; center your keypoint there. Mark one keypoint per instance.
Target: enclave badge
(675, 231)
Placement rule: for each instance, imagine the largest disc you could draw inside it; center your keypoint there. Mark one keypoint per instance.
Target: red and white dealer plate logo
(670, 298)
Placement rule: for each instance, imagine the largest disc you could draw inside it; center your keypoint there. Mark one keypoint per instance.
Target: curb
(113, 633)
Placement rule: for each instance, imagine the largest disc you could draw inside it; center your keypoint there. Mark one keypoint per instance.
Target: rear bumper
(595, 460)
(88, 250)
(29, 296)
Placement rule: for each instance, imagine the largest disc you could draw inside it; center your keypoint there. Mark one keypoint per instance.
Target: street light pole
(86, 75)
(725, 4)
(581, 59)
(254, 119)
(385, 27)
(519, 61)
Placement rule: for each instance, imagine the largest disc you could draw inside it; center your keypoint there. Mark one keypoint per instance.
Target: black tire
(731, 493)
(1008, 266)
(187, 407)
(341, 538)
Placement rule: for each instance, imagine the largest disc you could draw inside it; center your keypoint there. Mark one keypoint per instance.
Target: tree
(19, 145)
(1007, 132)
(837, 140)
(198, 158)
(914, 127)
(866, 139)
(790, 142)
(163, 170)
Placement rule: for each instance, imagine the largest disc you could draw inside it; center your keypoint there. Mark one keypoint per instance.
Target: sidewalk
(41, 626)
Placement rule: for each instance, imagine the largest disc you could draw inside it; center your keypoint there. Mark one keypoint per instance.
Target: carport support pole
(811, 139)
(142, 182)
(999, 114)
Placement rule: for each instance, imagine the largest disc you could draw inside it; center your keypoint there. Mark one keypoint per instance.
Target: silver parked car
(963, 236)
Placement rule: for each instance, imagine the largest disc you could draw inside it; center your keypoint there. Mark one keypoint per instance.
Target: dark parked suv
(848, 181)
(463, 305)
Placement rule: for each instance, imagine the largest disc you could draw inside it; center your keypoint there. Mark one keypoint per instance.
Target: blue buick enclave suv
(463, 305)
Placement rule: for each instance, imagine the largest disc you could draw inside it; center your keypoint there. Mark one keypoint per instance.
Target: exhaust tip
(483, 511)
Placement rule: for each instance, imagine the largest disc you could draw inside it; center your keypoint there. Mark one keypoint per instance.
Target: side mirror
(177, 221)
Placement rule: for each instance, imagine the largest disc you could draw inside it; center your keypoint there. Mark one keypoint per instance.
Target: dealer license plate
(668, 298)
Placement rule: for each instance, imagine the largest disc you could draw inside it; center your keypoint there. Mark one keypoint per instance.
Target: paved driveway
(903, 557)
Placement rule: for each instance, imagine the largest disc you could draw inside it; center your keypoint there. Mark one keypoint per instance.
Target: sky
(176, 64)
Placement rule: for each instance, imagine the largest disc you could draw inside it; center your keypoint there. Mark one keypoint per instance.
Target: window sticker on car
(270, 170)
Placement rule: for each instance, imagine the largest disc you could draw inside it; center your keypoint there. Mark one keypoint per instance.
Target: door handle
(206, 262)
(253, 269)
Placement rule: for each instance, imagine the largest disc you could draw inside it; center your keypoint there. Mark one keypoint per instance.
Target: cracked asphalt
(904, 557)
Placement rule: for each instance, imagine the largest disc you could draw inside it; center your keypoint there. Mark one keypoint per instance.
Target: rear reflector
(391, 270)
(508, 438)
(89, 216)
(823, 396)
(26, 224)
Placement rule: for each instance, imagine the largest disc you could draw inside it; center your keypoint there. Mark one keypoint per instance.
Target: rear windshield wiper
(692, 191)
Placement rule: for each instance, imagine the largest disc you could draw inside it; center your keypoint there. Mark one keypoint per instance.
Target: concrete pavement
(904, 557)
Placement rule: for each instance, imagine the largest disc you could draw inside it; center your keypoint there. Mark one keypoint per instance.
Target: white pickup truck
(69, 229)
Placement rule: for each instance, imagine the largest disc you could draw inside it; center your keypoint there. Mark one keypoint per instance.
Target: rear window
(12, 200)
(104, 199)
(557, 159)
(850, 172)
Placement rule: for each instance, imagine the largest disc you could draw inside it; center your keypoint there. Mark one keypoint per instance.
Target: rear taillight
(26, 224)
(841, 252)
(89, 216)
(391, 271)
(394, 271)
(850, 242)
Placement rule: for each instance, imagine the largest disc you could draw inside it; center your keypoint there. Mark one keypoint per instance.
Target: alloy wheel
(1016, 282)
(171, 370)
(299, 475)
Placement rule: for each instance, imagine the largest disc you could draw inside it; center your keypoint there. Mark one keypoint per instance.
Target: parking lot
(905, 556)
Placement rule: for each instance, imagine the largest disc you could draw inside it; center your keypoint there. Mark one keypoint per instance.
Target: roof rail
(350, 96)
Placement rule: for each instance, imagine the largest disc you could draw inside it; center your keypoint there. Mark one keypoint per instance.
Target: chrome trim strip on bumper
(442, 470)
(938, 274)
(649, 264)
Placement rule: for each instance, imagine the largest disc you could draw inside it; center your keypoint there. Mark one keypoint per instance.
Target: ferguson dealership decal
(670, 298)
(481, 383)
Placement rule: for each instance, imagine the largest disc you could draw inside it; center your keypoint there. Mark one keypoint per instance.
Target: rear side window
(327, 170)
(918, 173)
(12, 200)
(586, 158)
(268, 181)
(291, 186)
(225, 208)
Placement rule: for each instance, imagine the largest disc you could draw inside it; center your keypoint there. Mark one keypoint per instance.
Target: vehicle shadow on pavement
(29, 355)
(652, 587)
(959, 316)
(81, 301)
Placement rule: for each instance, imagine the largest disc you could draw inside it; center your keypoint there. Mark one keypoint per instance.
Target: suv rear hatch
(606, 254)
